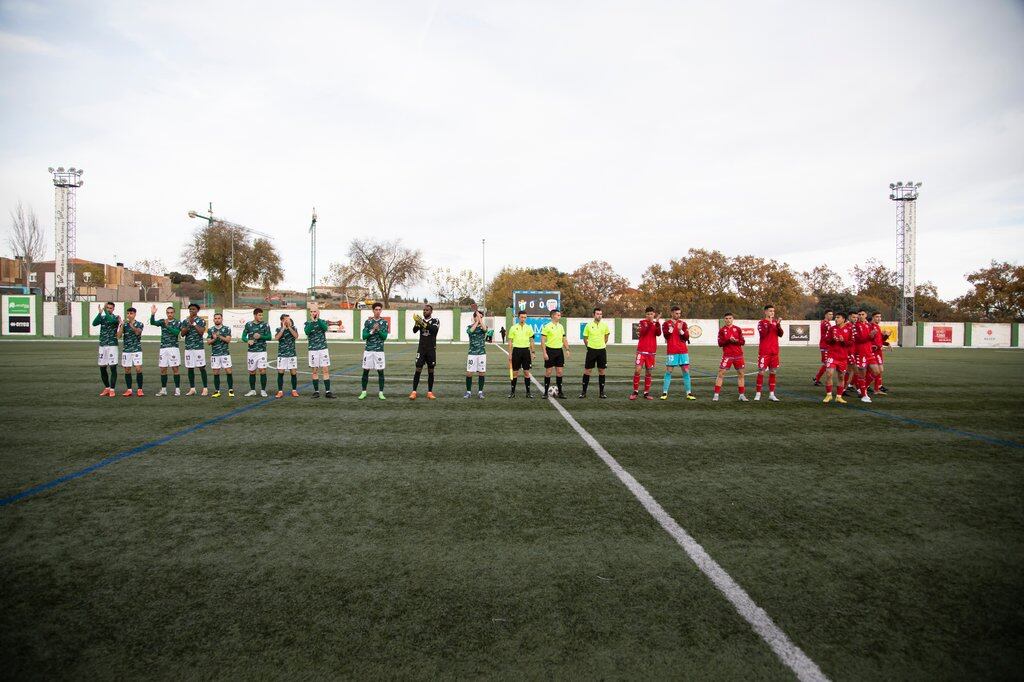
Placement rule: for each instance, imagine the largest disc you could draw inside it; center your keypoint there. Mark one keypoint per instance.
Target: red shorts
(728, 361)
(770, 361)
(859, 361)
(836, 363)
(876, 359)
(645, 360)
(824, 355)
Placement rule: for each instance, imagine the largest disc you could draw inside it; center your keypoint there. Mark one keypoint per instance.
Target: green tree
(698, 283)
(257, 264)
(759, 282)
(997, 296)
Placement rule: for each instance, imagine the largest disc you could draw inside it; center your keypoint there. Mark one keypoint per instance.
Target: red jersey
(730, 338)
(823, 338)
(840, 340)
(648, 332)
(862, 336)
(770, 331)
(677, 335)
(878, 337)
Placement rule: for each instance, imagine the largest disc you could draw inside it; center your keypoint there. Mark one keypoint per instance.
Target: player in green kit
(256, 333)
(219, 336)
(375, 331)
(476, 361)
(109, 324)
(319, 357)
(131, 356)
(555, 345)
(286, 358)
(170, 352)
(193, 328)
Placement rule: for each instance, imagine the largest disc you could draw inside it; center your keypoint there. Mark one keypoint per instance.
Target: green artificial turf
(467, 538)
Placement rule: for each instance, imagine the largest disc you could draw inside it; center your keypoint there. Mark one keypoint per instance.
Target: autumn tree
(509, 279)
(698, 283)
(928, 305)
(386, 265)
(27, 239)
(256, 263)
(997, 296)
(759, 282)
(822, 280)
(597, 281)
(456, 288)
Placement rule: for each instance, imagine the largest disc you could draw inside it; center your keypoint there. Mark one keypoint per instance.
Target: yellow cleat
(216, 394)
(828, 398)
(839, 399)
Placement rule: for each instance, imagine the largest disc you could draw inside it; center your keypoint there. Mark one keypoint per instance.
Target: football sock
(191, 378)
(105, 376)
(366, 378)
(771, 383)
(202, 375)
(469, 384)
(480, 383)
(163, 380)
(177, 381)
(686, 381)
(430, 380)
(558, 384)
(636, 383)
(514, 380)
(647, 383)
(128, 379)
(380, 379)
(316, 385)
(821, 371)
(878, 381)
(280, 381)
(526, 384)
(139, 378)
(547, 384)
(743, 389)
(666, 382)
(760, 381)
(842, 386)
(295, 382)
(828, 386)
(600, 382)
(263, 381)
(231, 381)
(252, 381)
(718, 389)
(113, 376)
(327, 384)
(586, 382)
(216, 382)
(416, 380)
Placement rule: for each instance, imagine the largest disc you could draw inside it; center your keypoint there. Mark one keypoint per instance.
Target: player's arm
(778, 329)
(435, 325)
(136, 329)
(722, 341)
(383, 332)
(245, 334)
(366, 333)
(98, 320)
(266, 335)
(279, 334)
(293, 330)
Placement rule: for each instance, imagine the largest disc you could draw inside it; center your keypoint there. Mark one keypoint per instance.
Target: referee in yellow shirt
(555, 346)
(595, 338)
(520, 346)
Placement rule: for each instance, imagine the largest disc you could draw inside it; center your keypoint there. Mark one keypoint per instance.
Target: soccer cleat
(511, 394)
(773, 398)
(103, 393)
(329, 395)
(634, 395)
(664, 396)
(431, 396)
(544, 394)
(316, 394)
(715, 398)
(817, 383)
(362, 396)
(231, 393)
(263, 394)
(128, 393)
(413, 395)
(279, 394)
(139, 393)
(529, 394)
(480, 395)
(206, 391)
(743, 398)
(690, 396)
(295, 394)
(216, 394)
(883, 390)
(840, 399)
(648, 396)
(191, 391)
(161, 392)
(112, 393)
(561, 396)
(828, 398)
(865, 399)
(467, 394)
(757, 396)
(177, 392)
(251, 393)
(582, 396)
(380, 395)
(603, 395)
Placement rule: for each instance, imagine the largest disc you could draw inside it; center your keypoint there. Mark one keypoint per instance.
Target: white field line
(788, 652)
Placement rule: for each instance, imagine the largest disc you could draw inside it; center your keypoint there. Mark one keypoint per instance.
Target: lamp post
(905, 196)
(483, 274)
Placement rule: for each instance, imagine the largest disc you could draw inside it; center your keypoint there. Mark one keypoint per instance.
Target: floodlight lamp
(79, 172)
(60, 169)
(71, 170)
(892, 196)
(892, 186)
(917, 185)
(232, 273)
(191, 214)
(50, 169)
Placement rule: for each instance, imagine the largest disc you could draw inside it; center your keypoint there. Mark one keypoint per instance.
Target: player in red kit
(826, 324)
(879, 340)
(646, 347)
(730, 338)
(862, 349)
(677, 336)
(769, 330)
(839, 341)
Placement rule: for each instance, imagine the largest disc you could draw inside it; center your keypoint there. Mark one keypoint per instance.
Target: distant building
(93, 281)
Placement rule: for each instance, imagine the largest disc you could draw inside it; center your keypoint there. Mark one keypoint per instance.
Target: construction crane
(233, 229)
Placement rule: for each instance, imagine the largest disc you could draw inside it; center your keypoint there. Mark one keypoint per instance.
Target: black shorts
(596, 356)
(521, 359)
(556, 358)
(426, 357)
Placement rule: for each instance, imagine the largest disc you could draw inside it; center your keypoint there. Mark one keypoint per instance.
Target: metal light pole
(905, 196)
(483, 274)
(65, 214)
(312, 254)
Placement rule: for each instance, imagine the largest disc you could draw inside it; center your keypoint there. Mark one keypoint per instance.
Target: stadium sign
(799, 332)
(942, 335)
(19, 315)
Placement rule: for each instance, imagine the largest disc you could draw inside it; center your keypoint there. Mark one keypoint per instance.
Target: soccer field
(465, 538)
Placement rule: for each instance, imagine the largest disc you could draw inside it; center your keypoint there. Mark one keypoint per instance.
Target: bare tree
(386, 264)
(27, 239)
(150, 266)
(343, 276)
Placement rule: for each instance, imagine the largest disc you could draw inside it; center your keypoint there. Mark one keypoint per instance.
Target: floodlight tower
(65, 215)
(905, 196)
(312, 253)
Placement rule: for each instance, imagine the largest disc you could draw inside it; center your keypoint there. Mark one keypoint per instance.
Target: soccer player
(555, 346)
(648, 332)
(256, 333)
(219, 336)
(769, 331)
(595, 338)
(521, 352)
(426, 326)
(170, 353)
(730, 338)
(826, 324)
(286, 358)
(863, 352)
(839, 339)
(131, 356)
(319, 358)
(476, 361)
(677, 335)
(879, 340)
(193, 329)
(109, 323)
(375, 331)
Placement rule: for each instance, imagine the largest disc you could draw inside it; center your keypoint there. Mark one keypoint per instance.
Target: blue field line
(163, 440)
(913, 421)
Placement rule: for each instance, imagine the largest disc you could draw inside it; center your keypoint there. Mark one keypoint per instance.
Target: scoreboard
(537, 305)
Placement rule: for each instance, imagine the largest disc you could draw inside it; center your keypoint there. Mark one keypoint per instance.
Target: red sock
(863, 387)
(869, 378)
(743, 390)
(718, 389)
(771, 383)
(760, 382)
(636, 382)
(821, 371)
(842, 387)
(647, 383)
(828, 386)
(878, 381)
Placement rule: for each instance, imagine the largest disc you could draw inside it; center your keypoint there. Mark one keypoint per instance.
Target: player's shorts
(521, 359)
(319, 358)
(255, 361)
(195, 358)
(645, 360)
(770, 361)
(427, 357)
(824, 355)
(220, 361)
(373, 359)
(678, 360)
(836, 363)
(170, 357)
(556, 358)
(859, 361)
(131, 359)
(476, 363)
(877, 359)
(734, 361)
(596, 357)
(287, 362)
(108, 356)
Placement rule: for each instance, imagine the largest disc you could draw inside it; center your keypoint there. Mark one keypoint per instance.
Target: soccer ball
(552, 391)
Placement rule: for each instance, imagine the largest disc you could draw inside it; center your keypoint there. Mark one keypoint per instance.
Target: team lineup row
(851, 347)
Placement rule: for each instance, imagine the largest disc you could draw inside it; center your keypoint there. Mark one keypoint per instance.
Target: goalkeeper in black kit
(426, 325)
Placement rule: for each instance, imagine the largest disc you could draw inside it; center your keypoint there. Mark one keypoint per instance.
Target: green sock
(139, 379)
(469, 383)
(280, 381)
(231, 381)
(295, 382)
(202, 375)
(163, 380)
(380, 379)
(113, 376)
(327, 385)
(316, 384)
(177, 381)
(366, 378)
(216, 382)
(480, 382)
(191, 378)
(128, 379)
(252, 381)
(263, 381)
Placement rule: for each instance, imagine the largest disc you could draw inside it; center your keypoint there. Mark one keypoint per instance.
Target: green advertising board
(19, 315)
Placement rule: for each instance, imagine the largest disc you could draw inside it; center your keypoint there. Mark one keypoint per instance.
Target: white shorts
(476, 363)
(373, 359)
(287, 362)
(108, 356)
(170, 357)
(195, 358)
(131, 359)
(319, 358)
(220, 361)
(256, 361)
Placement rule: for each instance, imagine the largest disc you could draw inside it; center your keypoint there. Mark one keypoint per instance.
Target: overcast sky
(561, 132)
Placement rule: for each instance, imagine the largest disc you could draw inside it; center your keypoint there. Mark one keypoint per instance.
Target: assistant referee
(521, 352)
